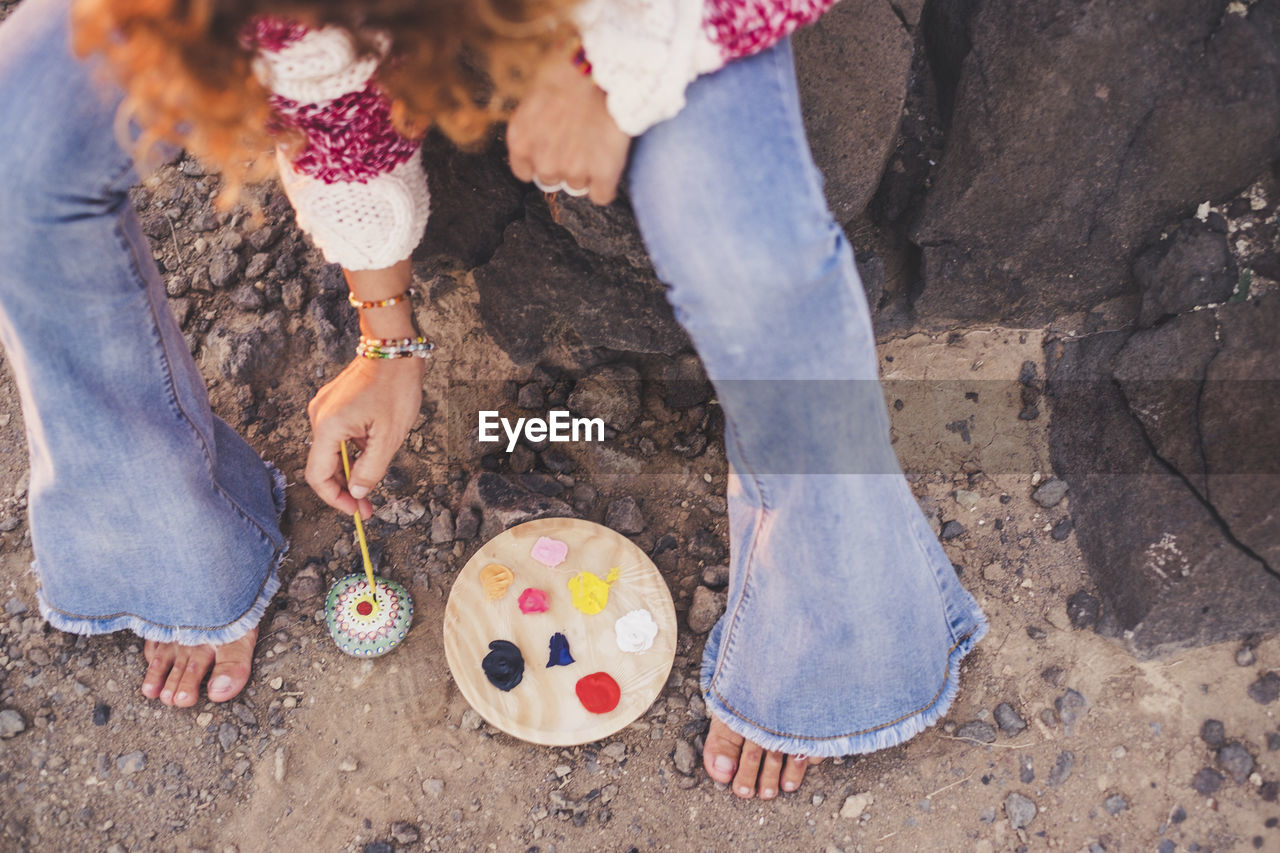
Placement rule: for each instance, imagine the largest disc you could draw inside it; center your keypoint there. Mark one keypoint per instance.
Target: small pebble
(1245, 657)
(404, 832)
(131, 762)
(204, 719)
(1026, 770)
(818, 799)
(1115, 804)
(471, 721)
(101, 714)
(228, 734)
(433, 787)
(1273, 741)
(855, 805)
(1266, 689)
(1207, 781)
(378, 847)
(277, 683)
(1020, 810)
(1061, 530)
(1035, 632)
(1062, 767)
(1236, 761)
(976, 730)
(1071, 706)
(348, 765)
(11, 723)
(1050, 493)
(1214, 733)
(951, 530)
(685, 757)
(1083, 609)
(1009, 721)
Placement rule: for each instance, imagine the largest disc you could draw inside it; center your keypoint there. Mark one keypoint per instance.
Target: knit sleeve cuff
(644, 54)
(361, 225)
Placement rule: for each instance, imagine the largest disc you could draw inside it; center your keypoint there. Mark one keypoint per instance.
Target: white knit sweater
(359, 188)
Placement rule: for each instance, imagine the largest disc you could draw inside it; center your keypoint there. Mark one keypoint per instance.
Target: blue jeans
(845, 623)
(146, 512)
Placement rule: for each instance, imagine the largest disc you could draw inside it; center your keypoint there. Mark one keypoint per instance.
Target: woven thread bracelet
(394, 347)
(382, 303)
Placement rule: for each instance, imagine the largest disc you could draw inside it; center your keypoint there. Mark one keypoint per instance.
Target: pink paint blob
(550, 552)
(533, 600)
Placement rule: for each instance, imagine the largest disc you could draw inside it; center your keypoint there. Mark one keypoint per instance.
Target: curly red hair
(185, 66)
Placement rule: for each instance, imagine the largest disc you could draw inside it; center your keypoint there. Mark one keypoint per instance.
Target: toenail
(767, 793)
(166, 695)
(220, 684)
(788, 786)
(744, 791)
(181, 697)
(724, 764)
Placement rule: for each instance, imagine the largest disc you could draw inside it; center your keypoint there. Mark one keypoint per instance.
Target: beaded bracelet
(394, 347)
(581, 62)
(382, 303)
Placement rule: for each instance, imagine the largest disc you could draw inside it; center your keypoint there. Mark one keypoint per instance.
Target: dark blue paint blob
(559, 651)
(503, 665)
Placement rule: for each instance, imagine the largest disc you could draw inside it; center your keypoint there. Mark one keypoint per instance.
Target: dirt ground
(326, 752)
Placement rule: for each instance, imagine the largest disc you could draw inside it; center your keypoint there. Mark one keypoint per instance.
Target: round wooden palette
(544, 707)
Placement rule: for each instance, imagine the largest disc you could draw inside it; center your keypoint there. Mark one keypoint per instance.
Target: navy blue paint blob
(559, 651)
(503, 665)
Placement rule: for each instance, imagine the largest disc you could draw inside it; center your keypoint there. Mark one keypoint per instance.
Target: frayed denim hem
(858, 743)
(184, 636)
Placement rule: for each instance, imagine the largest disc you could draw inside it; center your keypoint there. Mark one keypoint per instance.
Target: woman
(845, 622)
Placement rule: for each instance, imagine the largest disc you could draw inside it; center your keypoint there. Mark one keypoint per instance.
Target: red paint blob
(598, 692)
(364, 608)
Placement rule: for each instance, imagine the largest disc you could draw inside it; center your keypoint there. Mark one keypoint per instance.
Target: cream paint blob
(550, 552)
(636, 631)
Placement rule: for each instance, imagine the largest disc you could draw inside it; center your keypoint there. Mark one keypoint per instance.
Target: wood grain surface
(544, 708)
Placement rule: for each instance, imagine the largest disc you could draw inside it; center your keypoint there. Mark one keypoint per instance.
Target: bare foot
(732, 760)
(174, 672)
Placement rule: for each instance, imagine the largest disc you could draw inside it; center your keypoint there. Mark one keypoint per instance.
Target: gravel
(624, 516)
(1207, 781)
(1009, 720)
(685, 757)
(705, 610)
(1062, 767)
(101, 714)
(1115, 804)
(1236, 762)
(1083, 609)
(976, 730)
(1266, 689)
(950, 530)
(11, 723)
(1214, 733)
(1071, 706)
(1050, 493)
(1020, 810)
(1245, 656)
(132, 762)
(715, 576)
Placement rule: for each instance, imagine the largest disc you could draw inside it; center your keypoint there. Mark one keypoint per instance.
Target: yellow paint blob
(590, 594)
(496, 578)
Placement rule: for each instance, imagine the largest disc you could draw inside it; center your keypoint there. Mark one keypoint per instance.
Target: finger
(323, 476)
(372, 464)
(605, 178)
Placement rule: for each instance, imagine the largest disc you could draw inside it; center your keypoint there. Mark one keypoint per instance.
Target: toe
(159, 661)
(744, 781)
(720, 754)
(793, 770)
(770, 771)
(232, 664)
(177, 667)
(199, 660)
